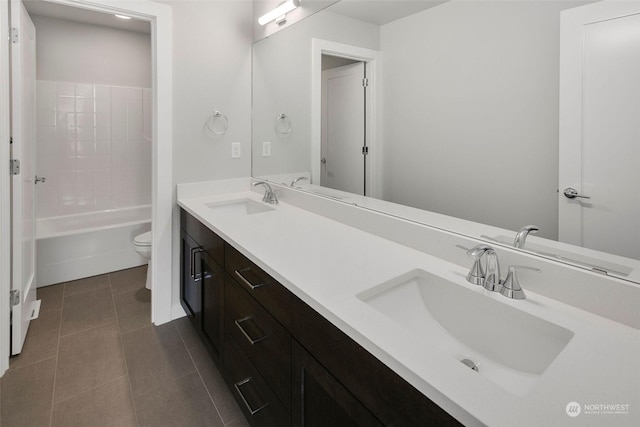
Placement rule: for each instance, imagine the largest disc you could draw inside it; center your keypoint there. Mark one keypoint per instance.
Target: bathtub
(82, 245)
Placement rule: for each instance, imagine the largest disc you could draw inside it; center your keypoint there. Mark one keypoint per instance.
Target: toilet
(142, 244)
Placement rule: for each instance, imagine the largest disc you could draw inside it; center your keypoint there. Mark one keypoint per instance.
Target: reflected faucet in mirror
(300, 178)
(521, 237)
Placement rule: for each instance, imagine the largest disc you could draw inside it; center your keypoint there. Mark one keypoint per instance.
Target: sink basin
(508, 346)
(240, 207)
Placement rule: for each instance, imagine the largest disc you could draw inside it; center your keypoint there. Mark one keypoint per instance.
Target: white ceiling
(381, 12)
(54, 10)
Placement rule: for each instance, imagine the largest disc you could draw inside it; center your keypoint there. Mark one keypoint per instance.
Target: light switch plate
(236, 151)
(266, 149)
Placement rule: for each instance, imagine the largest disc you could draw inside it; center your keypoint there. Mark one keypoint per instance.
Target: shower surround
(94, 149)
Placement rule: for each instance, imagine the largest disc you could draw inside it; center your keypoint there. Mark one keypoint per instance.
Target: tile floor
(93, 358)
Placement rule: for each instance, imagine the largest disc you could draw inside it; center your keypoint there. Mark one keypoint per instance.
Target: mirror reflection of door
(600, 130)
(343, 143)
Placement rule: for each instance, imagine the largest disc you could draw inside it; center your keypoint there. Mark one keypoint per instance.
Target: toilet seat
(143, 239)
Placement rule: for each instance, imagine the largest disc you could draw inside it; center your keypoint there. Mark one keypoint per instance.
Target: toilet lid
(143, 239)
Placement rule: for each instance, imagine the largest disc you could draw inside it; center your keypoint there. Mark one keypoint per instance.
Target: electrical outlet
(236, 152)
(266, 149)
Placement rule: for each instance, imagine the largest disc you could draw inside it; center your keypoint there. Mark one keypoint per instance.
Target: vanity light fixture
(279, 13)
(122, 16)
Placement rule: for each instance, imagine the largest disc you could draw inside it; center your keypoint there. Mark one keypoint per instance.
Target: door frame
(373, 130)
(160, 17)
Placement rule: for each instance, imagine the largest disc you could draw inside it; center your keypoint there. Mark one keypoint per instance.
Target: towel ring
(282, 124)
(217, 123)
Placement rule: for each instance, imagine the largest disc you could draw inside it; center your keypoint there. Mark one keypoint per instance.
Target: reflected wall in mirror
(465, 118)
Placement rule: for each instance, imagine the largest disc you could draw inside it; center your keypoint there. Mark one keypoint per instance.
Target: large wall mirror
(477, 116)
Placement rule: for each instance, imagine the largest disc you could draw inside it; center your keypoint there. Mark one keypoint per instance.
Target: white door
(23, 132)
(343, 128)
(600, 127)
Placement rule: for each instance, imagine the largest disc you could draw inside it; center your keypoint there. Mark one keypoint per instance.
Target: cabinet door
(319, 400)
(212, 302)
(191, 278)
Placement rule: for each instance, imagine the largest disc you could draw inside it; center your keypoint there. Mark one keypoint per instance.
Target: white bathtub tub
(82, 245)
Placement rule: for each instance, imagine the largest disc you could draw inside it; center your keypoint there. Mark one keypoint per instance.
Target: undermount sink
(240, 207)
(508, 346)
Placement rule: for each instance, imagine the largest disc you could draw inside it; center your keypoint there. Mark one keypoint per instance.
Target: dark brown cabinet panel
(212, 303)
(389, 397)
(259, 404)
(319, 400)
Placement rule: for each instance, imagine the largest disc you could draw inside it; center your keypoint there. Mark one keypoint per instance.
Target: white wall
(211, 71)
(471, 111)
(75, 52)
(282, 84)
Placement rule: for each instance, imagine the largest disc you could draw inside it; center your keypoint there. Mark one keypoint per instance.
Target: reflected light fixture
(279, 13)
(122, 16)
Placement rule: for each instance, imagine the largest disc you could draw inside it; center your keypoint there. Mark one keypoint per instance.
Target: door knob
(572, 193)
(323, 160)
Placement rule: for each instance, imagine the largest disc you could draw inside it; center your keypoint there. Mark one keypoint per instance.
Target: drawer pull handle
(196, 276)
(240, 274)
(244, 399)
(252, 341)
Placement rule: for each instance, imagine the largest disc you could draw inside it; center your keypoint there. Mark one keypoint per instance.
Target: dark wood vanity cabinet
(202, 281)
(285, 364)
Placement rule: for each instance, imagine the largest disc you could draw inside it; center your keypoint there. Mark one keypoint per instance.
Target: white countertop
(326, 264)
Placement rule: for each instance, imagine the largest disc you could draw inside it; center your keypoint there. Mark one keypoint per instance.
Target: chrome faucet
(269, 195)
(522, 235)
(489, 278)
(300, 178)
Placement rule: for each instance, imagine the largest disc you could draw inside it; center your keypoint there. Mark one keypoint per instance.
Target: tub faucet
(489, 278)
(300, 178)
(269, 195)
(522, 235)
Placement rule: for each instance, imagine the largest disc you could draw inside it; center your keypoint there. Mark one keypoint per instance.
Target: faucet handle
(511, 286)
(476, 275)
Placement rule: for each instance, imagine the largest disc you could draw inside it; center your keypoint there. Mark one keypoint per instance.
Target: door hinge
(365, 150)
(14, 167)
(365, 82)
(14, 297)
(15, 35)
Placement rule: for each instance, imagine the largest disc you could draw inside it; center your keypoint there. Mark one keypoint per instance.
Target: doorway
(358, 69)
(344, 145)
(160, 17)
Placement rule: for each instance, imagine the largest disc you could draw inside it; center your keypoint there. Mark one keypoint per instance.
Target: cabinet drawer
(257, 401)
(206, 238)
(266, 290)
(262, 339)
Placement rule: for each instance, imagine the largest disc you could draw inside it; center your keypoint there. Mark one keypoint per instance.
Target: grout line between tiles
(55, 371)
(90, 389)
(124, 358)
(201, 379)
